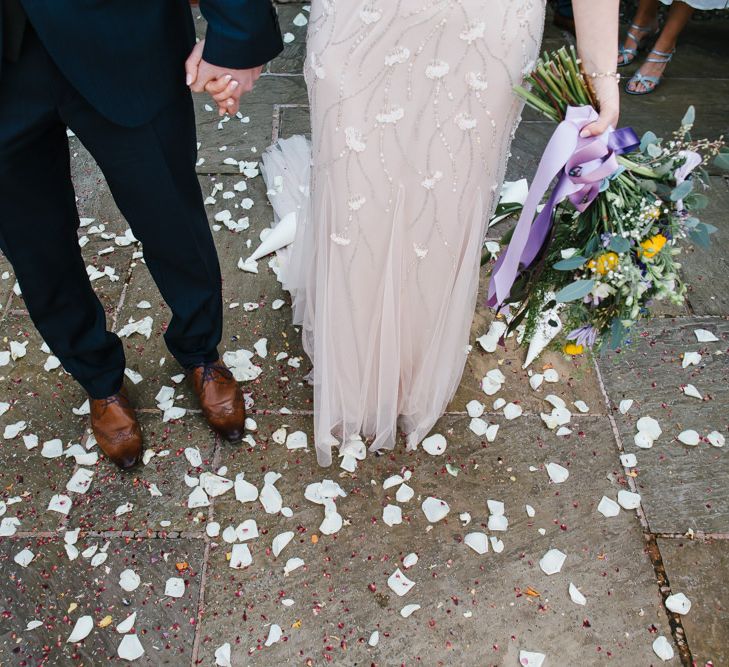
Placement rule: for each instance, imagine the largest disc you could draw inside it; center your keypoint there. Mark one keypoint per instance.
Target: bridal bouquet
(607, 243)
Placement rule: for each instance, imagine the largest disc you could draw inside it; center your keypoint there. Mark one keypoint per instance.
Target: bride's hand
(608, 95)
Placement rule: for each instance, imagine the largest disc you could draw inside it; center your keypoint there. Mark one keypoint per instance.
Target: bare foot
(648, 69)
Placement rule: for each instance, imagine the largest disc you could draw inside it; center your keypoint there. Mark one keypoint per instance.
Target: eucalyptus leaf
(647, 139)
(617, 333)
(696, 201)
(619, 244)
(690, 116)
(576, 290)
(654, 150)
(722, 161)
(570, 264)
(682, 191)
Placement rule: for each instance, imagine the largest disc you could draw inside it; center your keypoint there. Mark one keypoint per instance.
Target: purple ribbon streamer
(582, 164)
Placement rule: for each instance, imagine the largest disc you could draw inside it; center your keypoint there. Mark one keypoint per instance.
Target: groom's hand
(226, 92)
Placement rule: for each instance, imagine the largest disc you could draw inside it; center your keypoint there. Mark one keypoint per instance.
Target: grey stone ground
(476, 610)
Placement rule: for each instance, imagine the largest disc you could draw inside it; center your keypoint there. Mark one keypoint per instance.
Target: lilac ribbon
(582, 165)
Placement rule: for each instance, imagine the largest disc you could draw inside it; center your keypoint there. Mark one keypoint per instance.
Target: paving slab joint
(664, 586)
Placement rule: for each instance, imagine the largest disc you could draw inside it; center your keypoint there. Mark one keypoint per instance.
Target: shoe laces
(215, 371)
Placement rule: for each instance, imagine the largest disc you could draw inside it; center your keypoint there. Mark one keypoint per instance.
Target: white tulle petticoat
(412, 117)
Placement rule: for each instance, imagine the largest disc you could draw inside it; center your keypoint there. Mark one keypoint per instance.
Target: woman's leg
(646, 16)
(678, 16)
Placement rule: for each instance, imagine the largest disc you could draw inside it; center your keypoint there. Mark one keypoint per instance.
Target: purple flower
(605, 239)
(585, 335)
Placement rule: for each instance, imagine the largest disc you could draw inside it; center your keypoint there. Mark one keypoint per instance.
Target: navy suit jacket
(126, 57)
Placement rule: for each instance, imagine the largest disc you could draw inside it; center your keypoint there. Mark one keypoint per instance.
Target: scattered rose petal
(274, 634)
(240, 556)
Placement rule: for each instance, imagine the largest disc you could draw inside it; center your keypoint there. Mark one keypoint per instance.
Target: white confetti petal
(435, 509)
(678, 603)
(689, 437)
(292, 564)
(404, 494)
(628, 500)
(576, 596)
(192, 454)
(175, 587)
(477, 541)
(552, 561)
(704, 336)
(374, 639)
(130, 648)
(297, 440)
(280, 542)
(81, 629)
(399, 583)
(215, 485)
(245, 492)
(127, 624)
(435, 445)
(475, 408)
(691, 359)
(410, 560)
(129, 580)
(692, 391)
(629, 460)
(24, 557)
(60, 503)
(392, 515)
(274, 634)
(408, 610)
(608, 507)
(557, 473)
(222, 655)
(531, 659)
(625, 405)
(663, 649)
(512, 411)
(716, 439)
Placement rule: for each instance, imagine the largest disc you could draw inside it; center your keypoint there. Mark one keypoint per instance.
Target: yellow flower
(573, 349)
(604, 263)
(652, 246)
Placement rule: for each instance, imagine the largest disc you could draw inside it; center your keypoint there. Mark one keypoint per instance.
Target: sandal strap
(645, 79)
(623, 50)
(662, 54)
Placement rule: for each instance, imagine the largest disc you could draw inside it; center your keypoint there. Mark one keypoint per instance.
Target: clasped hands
(226, 86)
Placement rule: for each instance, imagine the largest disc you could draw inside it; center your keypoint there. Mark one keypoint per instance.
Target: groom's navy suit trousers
(112, 71)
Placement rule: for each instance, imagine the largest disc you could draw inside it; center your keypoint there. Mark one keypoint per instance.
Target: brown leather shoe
(116, 429)
(221, 399)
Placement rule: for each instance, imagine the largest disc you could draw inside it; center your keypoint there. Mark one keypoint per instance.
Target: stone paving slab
(96, 509)
(44, 400)
(294, 120)
(682, 487)
(698, 569)
(58, 592)
(341, 596)
(241, 138)
(291, 61)
(706, 270)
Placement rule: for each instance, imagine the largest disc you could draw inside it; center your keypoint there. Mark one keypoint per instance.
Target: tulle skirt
(412, 117)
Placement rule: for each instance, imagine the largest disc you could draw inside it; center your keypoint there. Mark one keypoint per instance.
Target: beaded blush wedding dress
(412, 116)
